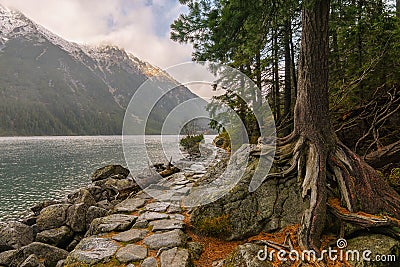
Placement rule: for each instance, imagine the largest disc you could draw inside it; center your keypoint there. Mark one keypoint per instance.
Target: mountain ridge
(50, 86)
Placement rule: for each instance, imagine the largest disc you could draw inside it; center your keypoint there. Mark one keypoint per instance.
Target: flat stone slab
(92, 250)
(174, 238)
(175, 257)
(115, 222)
(177, 216)
(131, 253)
(149, 262)
(133, 235)
(130, 205)
(157, 206)
(170, 224)
(151, 216)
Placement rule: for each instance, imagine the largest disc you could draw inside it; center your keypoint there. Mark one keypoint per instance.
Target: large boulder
(92, 250)
(239, 213)
(110, 171)
(116, 188)
(76, 217)
(387, 248)
(14, 235)
(48, 254)
(94, 212)
(52, 217)
(82, 196)
(59, 237)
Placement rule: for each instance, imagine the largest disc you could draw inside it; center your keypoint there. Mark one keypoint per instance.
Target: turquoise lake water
(33, 169)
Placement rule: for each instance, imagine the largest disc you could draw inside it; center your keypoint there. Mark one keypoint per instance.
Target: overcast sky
(139, 26)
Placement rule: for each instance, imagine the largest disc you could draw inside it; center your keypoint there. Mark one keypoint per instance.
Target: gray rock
(141, 224)
(378, 245)
(59, 237)
(130, 205)
(133, 235)
(94, 212)
(14, 235)
(6, 257)
(151, 216)
(49, 254)
(110, 171)
(246, 255)
(157, 206)
(149, 262)
(32, 261)
(92, 250)
(115, 222)
(76, 217)
(170, 224)
(174, 208)
(175, 257)
(52, 217)
(131, 253)
(38, 207)
(113, 187)
(174, 238)
(82, 196)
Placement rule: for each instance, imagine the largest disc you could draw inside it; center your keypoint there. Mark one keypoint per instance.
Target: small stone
(174, 208)
(169, 239)
(175, 257)
(149, 262)
(169, 224)
(131, 253)
(157, 206)
(141, 224)
(31, 261)
(151, 216)
(130, 205)
(195, 249)
(133, 235)
(92, 250)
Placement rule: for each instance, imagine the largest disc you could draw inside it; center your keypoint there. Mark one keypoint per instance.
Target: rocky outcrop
(50, 255)
(14, 235)
(110, 171)
(240, 213)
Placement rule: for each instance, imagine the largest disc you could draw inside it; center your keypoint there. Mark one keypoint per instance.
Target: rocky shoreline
(112, 221)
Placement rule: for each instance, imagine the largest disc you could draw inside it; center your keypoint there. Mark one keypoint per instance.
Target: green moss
(217, 226)
(394, 177)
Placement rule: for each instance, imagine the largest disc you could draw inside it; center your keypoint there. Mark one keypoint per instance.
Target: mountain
(49, 86)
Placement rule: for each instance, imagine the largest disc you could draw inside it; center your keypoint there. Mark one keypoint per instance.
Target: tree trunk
(276, 77)
(288, 81)
(311, 119)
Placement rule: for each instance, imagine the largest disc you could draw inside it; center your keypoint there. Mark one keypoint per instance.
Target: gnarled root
(360, 188)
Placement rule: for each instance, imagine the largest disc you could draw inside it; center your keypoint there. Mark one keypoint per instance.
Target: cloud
(139, 26)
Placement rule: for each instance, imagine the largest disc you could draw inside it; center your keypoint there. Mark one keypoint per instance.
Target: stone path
(143, 230)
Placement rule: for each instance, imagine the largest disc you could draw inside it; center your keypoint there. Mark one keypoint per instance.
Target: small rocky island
(113, 222)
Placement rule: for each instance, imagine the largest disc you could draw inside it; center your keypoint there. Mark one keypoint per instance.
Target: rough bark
(288, 80)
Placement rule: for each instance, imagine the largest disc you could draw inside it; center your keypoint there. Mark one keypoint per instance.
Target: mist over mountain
(49, 86)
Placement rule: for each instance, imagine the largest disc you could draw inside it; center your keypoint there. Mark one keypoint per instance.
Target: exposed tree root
(359, 188)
